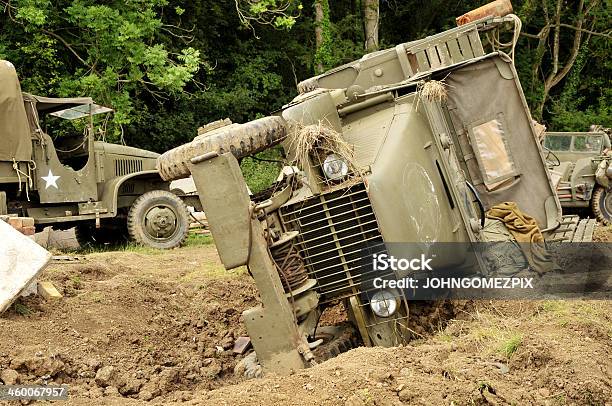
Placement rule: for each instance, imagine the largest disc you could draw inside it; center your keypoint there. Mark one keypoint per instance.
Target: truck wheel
(336, 340)
(601, 203)
(239, 139)
(158, 219)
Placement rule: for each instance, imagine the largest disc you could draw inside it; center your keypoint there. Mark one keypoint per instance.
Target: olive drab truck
(408, 144)
(580, 168)
(67, 178)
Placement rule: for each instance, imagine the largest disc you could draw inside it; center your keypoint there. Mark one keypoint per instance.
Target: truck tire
(239, 139)
(158, 219)
(601, 204)
(337, 339)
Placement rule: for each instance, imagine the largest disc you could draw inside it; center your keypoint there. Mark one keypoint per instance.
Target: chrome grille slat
(345, 246)
(343, 238)
(318, 212)
(334, 229)
(303, 207)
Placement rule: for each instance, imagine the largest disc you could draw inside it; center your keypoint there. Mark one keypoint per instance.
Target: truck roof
(50, 104)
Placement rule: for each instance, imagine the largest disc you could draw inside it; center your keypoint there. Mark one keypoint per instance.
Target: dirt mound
(158, 326)
(511, 353)
(132, 325)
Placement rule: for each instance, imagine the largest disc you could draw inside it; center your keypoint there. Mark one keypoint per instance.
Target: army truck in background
(73, 180)
(408, 144)
(581, 170)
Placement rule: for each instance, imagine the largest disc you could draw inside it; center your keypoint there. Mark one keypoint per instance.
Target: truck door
(65, 166)
(492, 126)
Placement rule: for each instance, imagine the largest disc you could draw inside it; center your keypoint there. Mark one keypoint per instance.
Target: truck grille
(126, 166)
(334, 229)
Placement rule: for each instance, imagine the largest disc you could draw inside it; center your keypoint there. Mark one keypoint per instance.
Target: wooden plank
(455, 52)
(241, 345)
(444, 54)
(3, 207)
(402, 57)
(422, 61)
(475, 42)
(48, 291)
(434, 59)
(466, 48)
(579, 231)
(589, 230)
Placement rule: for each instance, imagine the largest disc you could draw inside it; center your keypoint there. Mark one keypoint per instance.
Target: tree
(277, 13)
(109, 51)
(370, 23)
(572, 23)
(323, 37)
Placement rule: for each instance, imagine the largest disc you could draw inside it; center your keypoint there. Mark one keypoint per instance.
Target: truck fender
(110, 193)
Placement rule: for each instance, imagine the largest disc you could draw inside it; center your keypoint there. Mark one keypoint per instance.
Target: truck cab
(579, 165)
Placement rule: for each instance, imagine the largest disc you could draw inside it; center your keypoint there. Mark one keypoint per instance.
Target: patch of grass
(510, 346)
(119, 247)
(563, 322)
(196, 240)
(193, 240)
(210, 270)
(76, 281)
(555, 306)
(560, 399)
(486, 333)
(445, 337)
(22, 309)
(140, 249)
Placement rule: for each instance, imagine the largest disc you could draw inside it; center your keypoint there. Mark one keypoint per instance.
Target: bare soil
(144, 326)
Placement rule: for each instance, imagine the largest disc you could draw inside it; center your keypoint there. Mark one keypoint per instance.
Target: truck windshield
(587, 143)
(558, 142)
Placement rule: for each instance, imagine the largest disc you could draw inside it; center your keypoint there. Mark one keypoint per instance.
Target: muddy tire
(601, 204)
(158, 219)
(239, 139)
(337, 339)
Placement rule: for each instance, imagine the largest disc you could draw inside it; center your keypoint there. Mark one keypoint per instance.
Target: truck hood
(124, 150)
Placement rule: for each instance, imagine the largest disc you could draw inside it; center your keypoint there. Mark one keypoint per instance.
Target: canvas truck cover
(501, 150)
(15, 143)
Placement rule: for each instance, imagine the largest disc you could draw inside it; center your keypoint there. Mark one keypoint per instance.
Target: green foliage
(261, 171)
(198, 240)
(21, 309)
(323, 55)
(112, 51)
(144, 59)
(280, 14)
(582, 97)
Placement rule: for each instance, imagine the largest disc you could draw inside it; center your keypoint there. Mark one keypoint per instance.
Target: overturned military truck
(409, 144)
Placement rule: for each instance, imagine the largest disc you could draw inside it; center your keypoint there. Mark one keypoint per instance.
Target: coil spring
(290, 265)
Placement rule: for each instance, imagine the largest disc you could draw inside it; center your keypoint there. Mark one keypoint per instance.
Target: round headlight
(334, 167)
(383, 303)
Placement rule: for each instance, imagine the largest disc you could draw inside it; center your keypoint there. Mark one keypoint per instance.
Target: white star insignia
(50, 179)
